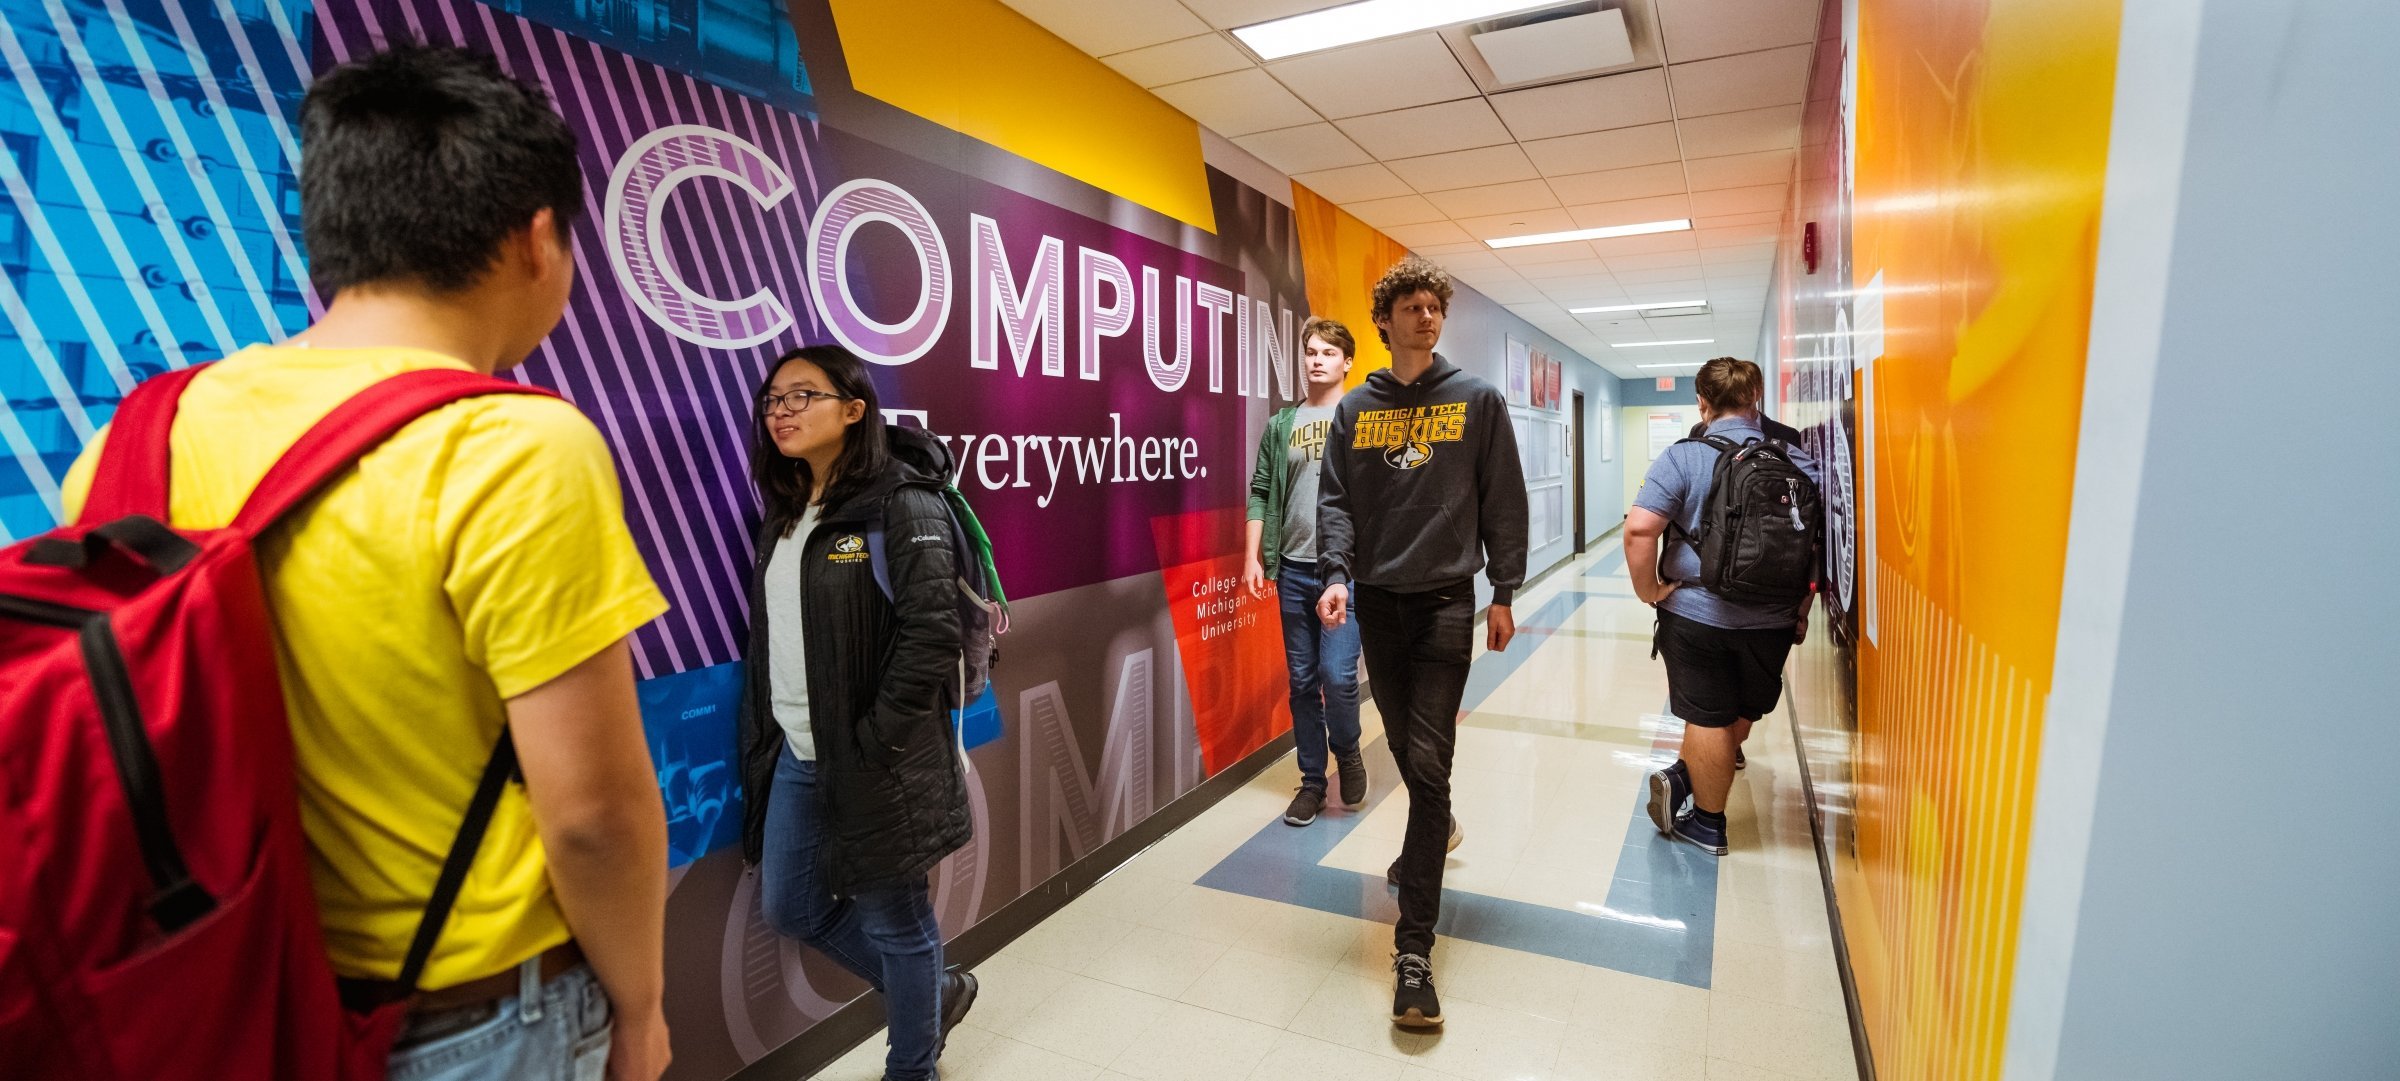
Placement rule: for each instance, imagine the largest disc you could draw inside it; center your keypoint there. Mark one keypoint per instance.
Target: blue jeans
(1324, 672)
(886, 937)
(559, 1033)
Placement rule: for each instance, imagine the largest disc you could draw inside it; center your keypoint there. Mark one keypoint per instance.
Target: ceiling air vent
(1550, 48)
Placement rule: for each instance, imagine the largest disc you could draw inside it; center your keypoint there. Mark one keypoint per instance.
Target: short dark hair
(784, 483)
(1407, 278)
(417, 162)
(1332, 331)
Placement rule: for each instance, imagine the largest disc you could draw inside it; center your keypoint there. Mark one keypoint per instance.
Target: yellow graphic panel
(1982, 145)
(1344, 257)
(979, 68)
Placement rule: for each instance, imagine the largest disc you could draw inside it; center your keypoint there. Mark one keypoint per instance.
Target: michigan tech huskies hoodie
(1421, 484)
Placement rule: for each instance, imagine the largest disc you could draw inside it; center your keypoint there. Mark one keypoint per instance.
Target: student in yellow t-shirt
(472, 571)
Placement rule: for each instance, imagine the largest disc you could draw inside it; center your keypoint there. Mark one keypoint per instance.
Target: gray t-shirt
(1676, 488)
(1303, 460)
(787, 649)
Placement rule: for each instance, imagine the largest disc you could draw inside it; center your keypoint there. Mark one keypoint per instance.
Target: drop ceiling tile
(1642, 182)
(1238, 103)
(1179, 61)
(1718, 221)
(1631, 211)
(1740, 170)
(1526, 259)
(1476, 247)
(1580, 285)
(1481, 263)
(1736, 254)
(1658, 261)
(1730, 84)
(1377, 77)
(1465, 168)
(1660, 274)
(1622, 148)
(1613, 101)
(1734, 236)
(1402, 210)
(1541, 272)
(1762, 199)
(1355, 183)
(1227, 14)
(1432, 232)
(1698, 29)
(1305, 149)
(1521, 223)
(1741, 133)
(1644, 245)
(1496, 199)
(1427, 129)
(1114, 27)
(1511, 292)
(1662, 291)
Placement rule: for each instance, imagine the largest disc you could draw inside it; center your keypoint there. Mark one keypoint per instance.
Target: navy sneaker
(1669, 788)
(1709, 839)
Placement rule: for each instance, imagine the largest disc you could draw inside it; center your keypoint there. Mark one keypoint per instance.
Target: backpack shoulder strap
(132, 475)
(355, 427)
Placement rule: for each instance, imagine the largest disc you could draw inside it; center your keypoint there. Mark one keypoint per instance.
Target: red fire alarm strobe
(1808, 246)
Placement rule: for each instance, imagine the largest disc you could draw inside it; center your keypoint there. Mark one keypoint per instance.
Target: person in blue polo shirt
(1724, 658)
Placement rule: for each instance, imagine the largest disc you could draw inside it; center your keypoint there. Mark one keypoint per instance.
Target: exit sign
(1666, 382)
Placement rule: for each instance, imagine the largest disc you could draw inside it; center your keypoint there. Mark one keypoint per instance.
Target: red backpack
(156, 916)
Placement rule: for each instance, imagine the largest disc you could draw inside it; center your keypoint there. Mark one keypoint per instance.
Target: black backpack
(1760, 529)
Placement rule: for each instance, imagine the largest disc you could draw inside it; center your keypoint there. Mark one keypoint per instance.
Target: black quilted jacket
(882, 678)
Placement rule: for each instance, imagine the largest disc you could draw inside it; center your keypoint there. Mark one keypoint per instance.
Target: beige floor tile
(1294, 1057)
(1804, 978)
(1483, 1043)
(1257, 986)
(1188, 1043)
(1777, 1037)
(1091, 1021)
(1355, 1012)
(1725, 1069)
(1156, 961)
(1071, 939)
(1591, 1055)
(1512, 980)
(1216, 915)
(1784, 924)
(1625, 1008)
(1132, 892)
(1010, 988)
(861, 1063)
(1004, 1059)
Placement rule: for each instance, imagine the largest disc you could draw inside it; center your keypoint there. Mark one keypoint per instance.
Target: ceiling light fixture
(1367, 20)
(1639, 307)
(1678, 341)
(1603, 233)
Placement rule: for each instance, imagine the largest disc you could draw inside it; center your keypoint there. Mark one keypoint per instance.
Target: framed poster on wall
(1520, 372)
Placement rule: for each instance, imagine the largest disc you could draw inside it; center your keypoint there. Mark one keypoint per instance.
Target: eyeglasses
(796, 401)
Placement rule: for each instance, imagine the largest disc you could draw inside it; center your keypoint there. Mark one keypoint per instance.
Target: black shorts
(1715, 676)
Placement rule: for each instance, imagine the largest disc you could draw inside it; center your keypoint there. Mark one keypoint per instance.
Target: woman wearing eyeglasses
(853, 792)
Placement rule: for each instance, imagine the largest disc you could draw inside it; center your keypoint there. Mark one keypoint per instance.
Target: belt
(365, 994)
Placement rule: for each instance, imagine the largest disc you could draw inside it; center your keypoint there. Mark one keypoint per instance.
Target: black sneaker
(1669, 787)
(958, 996)
(1414, 1005)
(1740, 762)
(1305, 806)
(1353, 770)
(1458, 836)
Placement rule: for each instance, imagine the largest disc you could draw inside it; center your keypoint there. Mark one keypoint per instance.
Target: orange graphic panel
(1231, 643)
(1344, 258)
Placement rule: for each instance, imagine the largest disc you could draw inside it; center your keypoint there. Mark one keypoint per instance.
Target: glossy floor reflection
(1577, 945)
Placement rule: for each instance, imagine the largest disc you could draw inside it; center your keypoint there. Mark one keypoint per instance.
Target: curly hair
(1408, 277)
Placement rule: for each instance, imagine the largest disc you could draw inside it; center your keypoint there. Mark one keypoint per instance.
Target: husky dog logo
(848, 544)
(1408, 455)
(848, 548)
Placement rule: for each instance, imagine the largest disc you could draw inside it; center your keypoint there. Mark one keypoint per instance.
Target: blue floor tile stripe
(1660, 917)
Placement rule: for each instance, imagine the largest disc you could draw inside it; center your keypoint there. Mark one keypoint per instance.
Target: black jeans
(1418, 648)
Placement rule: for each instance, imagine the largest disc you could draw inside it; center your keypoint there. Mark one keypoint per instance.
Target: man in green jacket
(1283, 549)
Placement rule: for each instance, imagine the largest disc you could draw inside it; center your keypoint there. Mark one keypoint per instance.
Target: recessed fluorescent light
(1685, 364)
(1678, 341)
(1367, 20)
(1639, 307)
(1604, 232)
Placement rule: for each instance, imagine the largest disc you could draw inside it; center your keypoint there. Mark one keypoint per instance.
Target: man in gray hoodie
(1421, 484)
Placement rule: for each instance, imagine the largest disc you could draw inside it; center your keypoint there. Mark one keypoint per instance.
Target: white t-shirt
(787, 646)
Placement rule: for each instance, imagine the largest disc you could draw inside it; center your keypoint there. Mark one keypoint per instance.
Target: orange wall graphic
(1344, 258)
(1980, 141)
